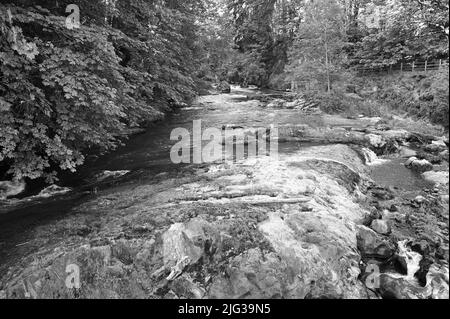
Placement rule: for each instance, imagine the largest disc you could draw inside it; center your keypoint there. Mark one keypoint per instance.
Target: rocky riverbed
(352, 208)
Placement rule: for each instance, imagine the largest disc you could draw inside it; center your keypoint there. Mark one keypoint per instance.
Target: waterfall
(371, 158)
(413, 259)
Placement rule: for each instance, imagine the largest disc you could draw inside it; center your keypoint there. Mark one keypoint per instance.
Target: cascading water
(371, 158)
(412, 258)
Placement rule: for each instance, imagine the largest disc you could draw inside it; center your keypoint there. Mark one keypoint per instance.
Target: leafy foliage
(316, 55)
(63, 92)
(405, 31)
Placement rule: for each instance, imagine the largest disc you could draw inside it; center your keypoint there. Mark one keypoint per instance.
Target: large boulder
(372, 245)
(392, 287)
(185, 244)
(398, 287)
(319, 250)
(419, 165)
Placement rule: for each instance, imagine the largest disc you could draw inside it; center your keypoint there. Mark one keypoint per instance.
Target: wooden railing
(415, 66)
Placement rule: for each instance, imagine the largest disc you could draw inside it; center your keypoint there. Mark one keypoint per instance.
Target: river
(321, 171)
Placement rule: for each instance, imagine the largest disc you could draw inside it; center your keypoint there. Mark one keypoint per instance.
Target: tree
(317, 52)
(405, 31)
(66, 91)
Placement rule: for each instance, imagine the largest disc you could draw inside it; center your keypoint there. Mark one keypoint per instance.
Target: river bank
(338, 202)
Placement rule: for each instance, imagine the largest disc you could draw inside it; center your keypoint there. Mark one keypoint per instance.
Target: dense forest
(68, 89)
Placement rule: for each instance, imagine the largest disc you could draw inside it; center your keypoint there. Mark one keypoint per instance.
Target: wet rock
(437, 283)
(110, 175)
(224, 87)
(421, 275)
(185, 244)
(401, 264)
(433, 159)
(436, 147)
(420, 199)
(374, 215)
(370, 157)
(53, 190)
(409, 162)
(376, 141)
(442, 253)
(419, 165)
(397, 288)
(373, 245)
(320, 249)
(381, 227)
(444, 155)
(11, 188)
(439, 178)
(422, 247)
(406, 152)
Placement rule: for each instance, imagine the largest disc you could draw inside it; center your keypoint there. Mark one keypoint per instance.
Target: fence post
(426, 65)
(413, 66)
(401, 67)
(440, 63)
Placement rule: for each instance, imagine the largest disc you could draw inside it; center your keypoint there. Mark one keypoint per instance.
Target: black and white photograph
(236, 151)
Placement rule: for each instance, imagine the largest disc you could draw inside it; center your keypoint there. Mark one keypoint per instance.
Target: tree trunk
(327, 66)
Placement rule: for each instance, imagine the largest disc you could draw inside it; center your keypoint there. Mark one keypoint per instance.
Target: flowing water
(148, 154)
